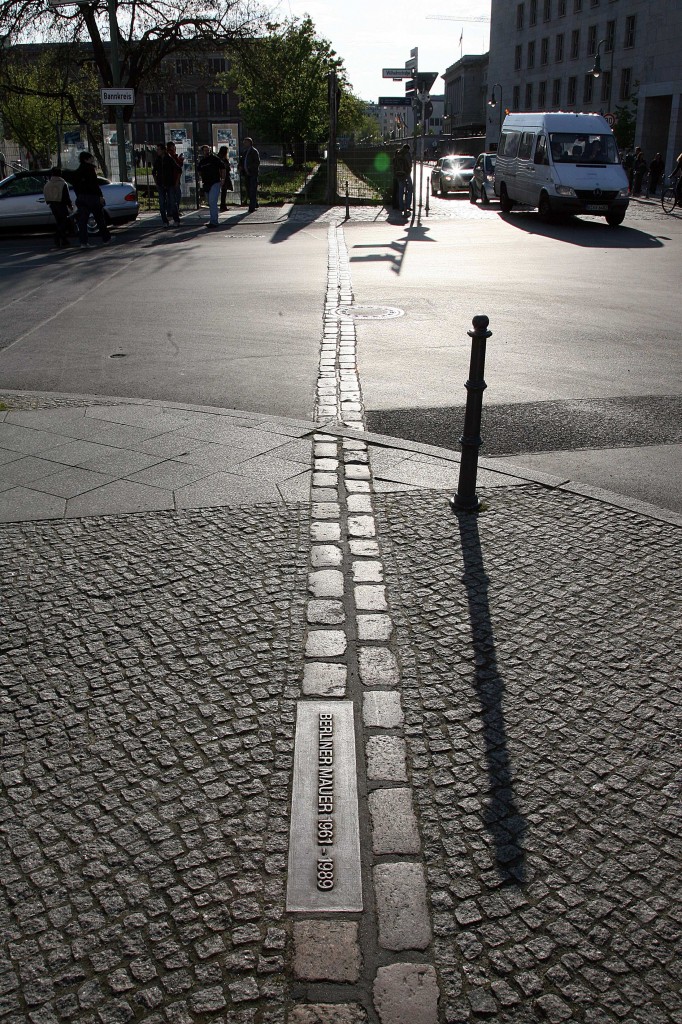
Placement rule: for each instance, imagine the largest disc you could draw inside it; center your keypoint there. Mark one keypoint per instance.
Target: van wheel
(614, 219)
(505, 202)
(544, 209)
(472, 196)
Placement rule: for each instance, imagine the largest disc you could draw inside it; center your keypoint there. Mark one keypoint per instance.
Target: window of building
(218, 65)
(154, 131)
(183, 67)
(606, 86)
(594, 3)
(517, 58)
(516, 98)
(556, 93)
(577, 6)
(186, 103)
(625, 79)
(572, 91)
(531, 54)
(519, 16)
(588, 88)
(544, 51)
(559, 48)
(529, 96)
(575, 43)
(562, 8)
(154, 104)
(547, 11)
(533, 13)
(218, 103)
(591, 40)
(542, 95)
(610, 37)
(630, 26)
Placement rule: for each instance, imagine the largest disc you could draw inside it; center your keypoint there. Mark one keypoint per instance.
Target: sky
(373, 34)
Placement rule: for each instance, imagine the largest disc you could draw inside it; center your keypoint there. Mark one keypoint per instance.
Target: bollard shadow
(501, 816)
(590, 234)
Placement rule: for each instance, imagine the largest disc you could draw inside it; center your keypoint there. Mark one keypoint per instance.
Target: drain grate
(369, 312)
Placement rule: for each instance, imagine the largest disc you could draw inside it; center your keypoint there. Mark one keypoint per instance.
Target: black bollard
(347, 203)
(465, 499)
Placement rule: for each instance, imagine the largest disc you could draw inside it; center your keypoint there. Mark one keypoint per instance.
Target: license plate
(596, 208)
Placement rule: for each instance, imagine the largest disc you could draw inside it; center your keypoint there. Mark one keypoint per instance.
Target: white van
(561, 163)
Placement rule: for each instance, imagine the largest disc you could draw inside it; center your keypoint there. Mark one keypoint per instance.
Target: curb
(383, 441)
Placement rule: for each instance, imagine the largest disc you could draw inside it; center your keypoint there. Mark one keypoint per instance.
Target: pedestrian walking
(212, 174)
(629, 166)
(403, 172)
(656, 169)
(165, 173)
(179, 160)
(58, 198)
(227, 186)
(639, 171)
(89, 199)
(248, 166)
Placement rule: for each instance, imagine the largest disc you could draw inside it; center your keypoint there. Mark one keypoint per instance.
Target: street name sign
(395, 73)
(117, 97)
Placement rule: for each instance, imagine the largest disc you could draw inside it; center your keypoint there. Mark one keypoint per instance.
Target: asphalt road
(584, 354)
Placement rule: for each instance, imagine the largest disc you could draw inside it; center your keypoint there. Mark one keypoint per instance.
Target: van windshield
(569, 148)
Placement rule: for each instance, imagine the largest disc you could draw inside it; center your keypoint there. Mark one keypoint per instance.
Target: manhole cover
(369, 312)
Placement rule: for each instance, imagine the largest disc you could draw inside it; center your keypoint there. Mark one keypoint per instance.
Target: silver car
(452, 174)
(23, 206)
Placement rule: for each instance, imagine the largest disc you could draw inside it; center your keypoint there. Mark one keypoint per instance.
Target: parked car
(452, 174)
(23, 207)
(482, 184)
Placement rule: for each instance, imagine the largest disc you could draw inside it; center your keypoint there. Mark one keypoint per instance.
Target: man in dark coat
(165, 172)
(89, 199)
(248, 165)
(212, 174)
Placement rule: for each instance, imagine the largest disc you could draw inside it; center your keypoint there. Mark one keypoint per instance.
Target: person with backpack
(57, 197)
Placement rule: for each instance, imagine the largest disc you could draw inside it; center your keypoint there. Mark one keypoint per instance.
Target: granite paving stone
(120, 496)
(150, 666)
(386, 759)
(24, 470)
(21, 503)
(381, 709)
(324, 679)
(400, 890)
(406, 993)
(224, 489)
(341, 959)
(539, 668)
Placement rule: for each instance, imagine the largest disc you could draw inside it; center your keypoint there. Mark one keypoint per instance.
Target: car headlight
(565, 190)
(624, 192)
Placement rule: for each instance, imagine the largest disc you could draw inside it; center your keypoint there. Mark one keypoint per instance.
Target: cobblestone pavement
(148, 716)
(541, 682)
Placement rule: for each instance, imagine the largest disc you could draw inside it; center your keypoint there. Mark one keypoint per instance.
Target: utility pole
(331, 152)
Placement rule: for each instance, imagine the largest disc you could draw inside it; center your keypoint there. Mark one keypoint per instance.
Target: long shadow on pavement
(505, 823)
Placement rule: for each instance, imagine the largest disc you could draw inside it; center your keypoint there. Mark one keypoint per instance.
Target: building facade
(543, 54)
(465, 96)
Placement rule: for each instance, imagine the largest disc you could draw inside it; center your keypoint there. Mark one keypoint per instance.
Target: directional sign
(396, 73)
(425, 80)
(411, 63)
(117, 97)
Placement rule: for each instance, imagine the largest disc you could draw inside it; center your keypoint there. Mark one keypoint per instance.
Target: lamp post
(597, 70)
(493, 103)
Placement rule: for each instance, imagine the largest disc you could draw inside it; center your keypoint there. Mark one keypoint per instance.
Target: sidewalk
(180, 582)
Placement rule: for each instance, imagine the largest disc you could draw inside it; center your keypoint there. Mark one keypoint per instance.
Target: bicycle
(669, 197)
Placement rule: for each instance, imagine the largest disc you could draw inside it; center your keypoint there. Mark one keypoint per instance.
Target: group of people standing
(214, 171)
(216, 179)
(638, 169)
(89, 201)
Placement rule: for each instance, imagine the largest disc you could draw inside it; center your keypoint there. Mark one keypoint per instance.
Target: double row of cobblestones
(349, 652)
